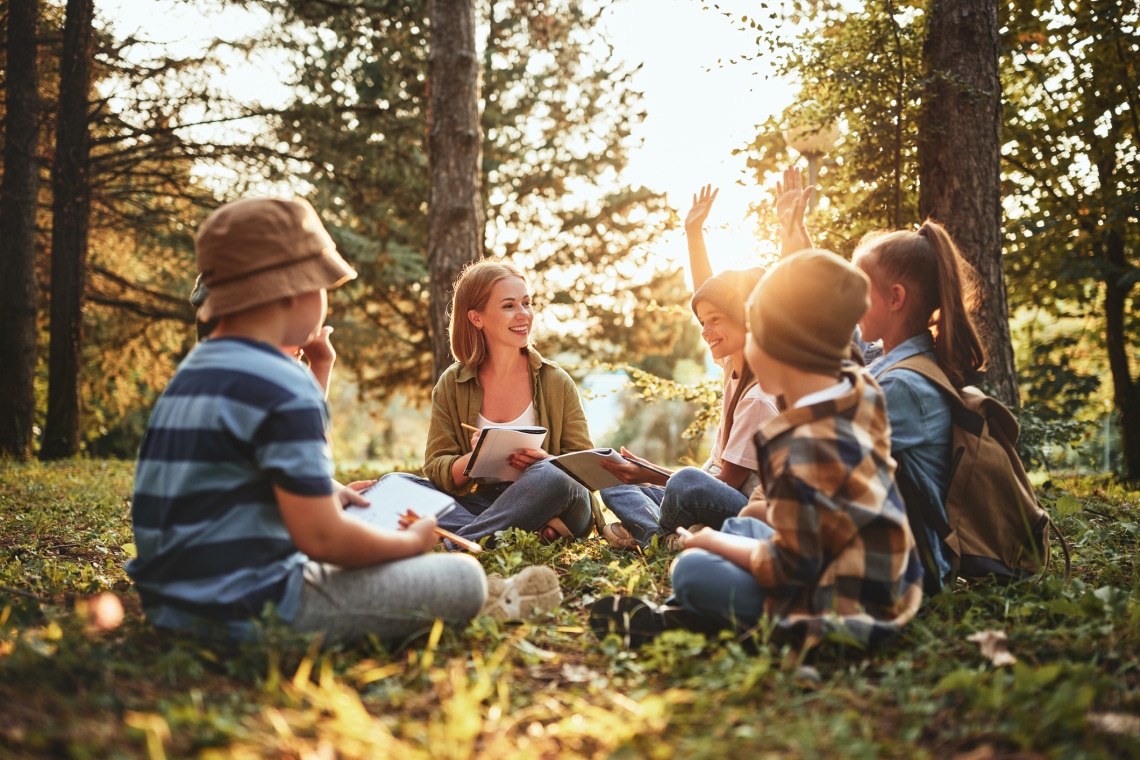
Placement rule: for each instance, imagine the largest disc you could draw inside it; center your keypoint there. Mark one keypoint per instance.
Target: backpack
(993, 525)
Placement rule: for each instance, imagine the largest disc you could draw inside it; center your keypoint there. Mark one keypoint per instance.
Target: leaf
(1068, 505)
(993, 645)
(959, 680)
(130, 550)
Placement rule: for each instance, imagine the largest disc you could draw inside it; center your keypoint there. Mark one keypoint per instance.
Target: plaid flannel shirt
(842, 558)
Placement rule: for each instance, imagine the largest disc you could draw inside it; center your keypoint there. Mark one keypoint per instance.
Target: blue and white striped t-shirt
(238, 418)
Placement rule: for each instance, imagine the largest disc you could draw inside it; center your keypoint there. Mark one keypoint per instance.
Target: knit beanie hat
(805, 310)
(728, 291)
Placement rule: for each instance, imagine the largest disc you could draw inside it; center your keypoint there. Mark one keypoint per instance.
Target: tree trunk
(70, 208)
(959, 158)
(455, 210)
(18, 195)
(1125, 389)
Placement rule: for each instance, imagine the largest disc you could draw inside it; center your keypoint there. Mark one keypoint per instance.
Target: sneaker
(636, 621)
(618, 537)
(639, 621)
(531, 592)
(674, 541)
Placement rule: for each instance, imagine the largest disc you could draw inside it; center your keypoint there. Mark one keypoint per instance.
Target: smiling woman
(500, 379)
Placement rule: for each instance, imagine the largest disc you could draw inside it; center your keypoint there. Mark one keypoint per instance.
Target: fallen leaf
(994, 646)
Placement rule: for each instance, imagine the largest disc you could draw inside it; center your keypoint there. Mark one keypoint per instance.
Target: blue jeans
(710, 586)
(691, 496)
(541, 493)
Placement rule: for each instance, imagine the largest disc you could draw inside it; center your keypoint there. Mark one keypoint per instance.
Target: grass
(549, 688)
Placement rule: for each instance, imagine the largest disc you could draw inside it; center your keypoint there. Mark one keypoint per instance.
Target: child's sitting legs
(711, 586)
(392, 600)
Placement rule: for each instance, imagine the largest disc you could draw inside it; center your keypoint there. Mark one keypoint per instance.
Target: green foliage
(547, 687)
(860, 69)
(1043, 433)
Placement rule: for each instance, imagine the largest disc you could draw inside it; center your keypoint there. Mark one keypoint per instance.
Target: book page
(391, 497)
(495, 444)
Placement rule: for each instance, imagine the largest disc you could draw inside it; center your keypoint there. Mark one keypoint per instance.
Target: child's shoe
(531, 592)
(637, 621)
(618, 537)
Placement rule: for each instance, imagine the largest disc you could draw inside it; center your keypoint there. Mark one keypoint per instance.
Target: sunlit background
(706, 89)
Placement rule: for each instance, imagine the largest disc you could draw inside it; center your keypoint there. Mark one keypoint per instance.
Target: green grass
(549, 688)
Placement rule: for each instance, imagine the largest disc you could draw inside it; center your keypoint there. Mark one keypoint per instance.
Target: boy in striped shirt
(235, 509)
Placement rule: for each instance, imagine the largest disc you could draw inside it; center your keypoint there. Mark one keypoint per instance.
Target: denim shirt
(920, 429)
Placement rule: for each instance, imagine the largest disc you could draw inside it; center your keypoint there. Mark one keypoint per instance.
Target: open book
(585, 467)
(495, 444)
(392, 497)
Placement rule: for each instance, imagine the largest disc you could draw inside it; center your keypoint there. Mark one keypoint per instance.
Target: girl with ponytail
(918, 307)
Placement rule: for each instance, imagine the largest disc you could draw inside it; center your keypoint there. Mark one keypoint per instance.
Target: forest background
(114, 152)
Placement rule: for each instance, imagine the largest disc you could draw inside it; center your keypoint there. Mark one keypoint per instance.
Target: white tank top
(526, 419)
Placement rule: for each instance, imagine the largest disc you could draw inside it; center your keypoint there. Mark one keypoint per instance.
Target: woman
(500, 379)
(918, 307)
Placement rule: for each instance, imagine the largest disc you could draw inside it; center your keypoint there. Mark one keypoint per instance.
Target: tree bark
(959, 157)
(455, 209)
(18, 196)
(1125, 390)
(71, 193)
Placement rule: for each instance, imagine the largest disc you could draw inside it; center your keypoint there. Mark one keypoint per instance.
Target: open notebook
(585, 467)
(495, 444)
(392, 497)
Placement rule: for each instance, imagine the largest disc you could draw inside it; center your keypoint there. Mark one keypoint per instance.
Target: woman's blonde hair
(472, 291)
(929, 264)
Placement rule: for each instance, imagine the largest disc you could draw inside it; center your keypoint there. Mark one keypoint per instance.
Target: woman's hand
(524, 458)
(702, 205)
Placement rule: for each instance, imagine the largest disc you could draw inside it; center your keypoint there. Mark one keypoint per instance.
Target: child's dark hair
(929, 265)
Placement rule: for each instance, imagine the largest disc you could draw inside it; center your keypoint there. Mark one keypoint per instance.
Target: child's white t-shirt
(754, 409)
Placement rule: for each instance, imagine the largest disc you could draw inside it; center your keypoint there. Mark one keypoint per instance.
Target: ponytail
(929, 265)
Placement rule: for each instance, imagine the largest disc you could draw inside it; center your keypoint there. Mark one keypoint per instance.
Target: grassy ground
(549, 688)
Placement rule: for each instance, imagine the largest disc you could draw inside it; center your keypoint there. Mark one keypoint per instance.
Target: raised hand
(702, 205)
(791, 202)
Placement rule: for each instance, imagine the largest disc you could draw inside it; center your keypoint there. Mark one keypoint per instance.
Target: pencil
(469, 427)
(470, 546)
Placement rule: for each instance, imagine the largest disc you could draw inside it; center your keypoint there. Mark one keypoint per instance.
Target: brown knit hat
(728, 291)
(804, 311)
(255, 250)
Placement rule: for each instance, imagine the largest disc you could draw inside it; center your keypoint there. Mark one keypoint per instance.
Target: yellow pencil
(469, 427)
(470, 546)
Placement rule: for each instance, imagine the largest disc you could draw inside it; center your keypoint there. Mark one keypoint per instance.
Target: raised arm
(791, 203)
(695, 236)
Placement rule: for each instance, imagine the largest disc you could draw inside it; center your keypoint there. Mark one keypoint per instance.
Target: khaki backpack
(993, 525)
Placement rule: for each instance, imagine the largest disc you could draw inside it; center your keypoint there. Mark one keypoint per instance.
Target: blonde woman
(498, 378)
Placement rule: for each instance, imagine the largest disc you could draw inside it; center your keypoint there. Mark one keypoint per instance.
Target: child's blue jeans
(691, 496)
(711, 586)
